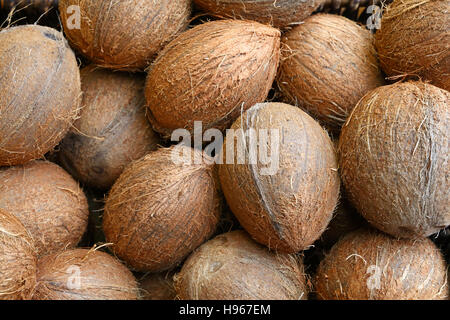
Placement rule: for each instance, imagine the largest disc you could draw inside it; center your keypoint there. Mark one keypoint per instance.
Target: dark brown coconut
(17, 259)
(30, 6)
(328, 63)
(124, 34)
(40, 92)
(211, 73)
(367, 264)
(288, 209)
(112, 130)
(158, 211)
(281, 13)
(158, 286)
(414, 40)
(81, 274)
(394, 159)
(48, 202)
(234, 267)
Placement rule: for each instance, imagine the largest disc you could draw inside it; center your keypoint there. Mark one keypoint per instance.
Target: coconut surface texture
(17, 259)
(158, 286)
(112, 130)
(328, 63)
(370, 265)
(285, 196)
(40, 92)
(210, 74)
(394, 159)
(124, 34)
(49, 203)
(160, 209)
(234, 267)
(414, 40)
(82, 274)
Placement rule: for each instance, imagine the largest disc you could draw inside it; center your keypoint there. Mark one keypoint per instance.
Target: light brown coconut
(370, 265)
(17, 259)
(234, 267)
(288, 208)
(40, 92)
(414, 40)
(394, 159)
(49, 203)
(159, 210)
(112, 130)
(158, 286)
(280, 13)
(328, 63)
(82, 274)
(123, 34)
(211, 73)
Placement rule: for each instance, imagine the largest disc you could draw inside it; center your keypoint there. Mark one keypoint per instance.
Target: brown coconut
(394, 159)
(328, 63)
(82, 274)
(49, 203)
(159, 210)
(288, 208)
(123, 34)
(40, 92)
(17, 259)
(158, 286)
(414, 40)
(370, 265)
(211, 73)
(112, 130)
(234, 267)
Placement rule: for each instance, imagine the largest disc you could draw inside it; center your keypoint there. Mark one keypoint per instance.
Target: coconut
(112, 129)
(328, 63)
(234, 267)
(367, 264)
(48, 202)
(82, 274)
(17, 259)
(40, 92)
(123, 34)
(211, 73)
(414, 40)
(30, 6)
(284, 197)
(160, 209)
(394, 159)
(158, 286)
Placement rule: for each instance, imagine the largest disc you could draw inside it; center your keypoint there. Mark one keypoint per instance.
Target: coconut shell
(158, 211)
(328, 63)
(82, 274)
(210, 74)
(414, 40)
(394, 159)
(17, 259)
(124, 35)
(40, 94)
(48, 202)
(286, 210)
(234, 267)
(369, 265)
(158, 286)
(112, 130)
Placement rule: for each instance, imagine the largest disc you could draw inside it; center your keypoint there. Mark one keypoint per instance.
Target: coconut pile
(224, 150)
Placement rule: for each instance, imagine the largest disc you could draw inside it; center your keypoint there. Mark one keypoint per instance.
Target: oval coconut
(112, 130)
(284, 204)
(159, 210)
(414, 40)
(158, 286)
(82, 274)
(328, 63)
(394, 159)
(49, 203)
(123, 34)
(40, 92)
(367, 264)
(211, 73)
(17, 259)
